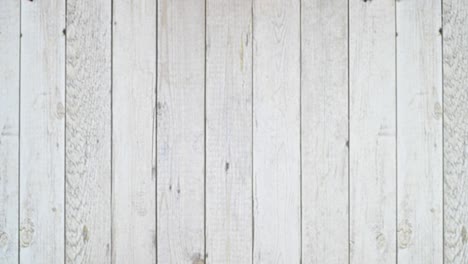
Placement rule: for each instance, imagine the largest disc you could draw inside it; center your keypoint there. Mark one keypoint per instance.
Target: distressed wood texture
(372, 131)
(455, 65)
(181, 131)
(134, 123)
(324, 131)
(419, 140)
(229, 131)
(88, 132)
(9, 129)
(276, 131)
(42, 132)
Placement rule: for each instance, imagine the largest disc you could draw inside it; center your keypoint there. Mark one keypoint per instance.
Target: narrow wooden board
(42, 132)
(419, 141)
(88, 132)
(9, 129)
(372, 131)
(324, 131)
(455, 68)
(229, 131)
(276, 131)
(180, 131)
(133, 141)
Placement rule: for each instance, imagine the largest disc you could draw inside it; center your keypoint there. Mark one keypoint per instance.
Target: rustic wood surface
(325, 139)
(42, 131)
(9, 130)
(419, 135)
(181, 131)
(372, 129)
(229, 131)
(217, 131)
(88, 132)
(133, 132)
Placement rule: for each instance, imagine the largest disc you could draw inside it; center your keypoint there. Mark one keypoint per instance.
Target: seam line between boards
(19, 130)
(204, 138)
(443, 126)
(65, 143)
(349, 137)
(112, 131)
(252, 2)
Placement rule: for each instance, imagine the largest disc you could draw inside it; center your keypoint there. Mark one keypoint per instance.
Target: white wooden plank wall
(181, 132)
(455, 68)
(88, 132)
(276, 132)
(419, 133)
(372, 131)
(9, 129)
(229, 131)
(249, 131)
(42, 131)
(325, 137)
(133, 133)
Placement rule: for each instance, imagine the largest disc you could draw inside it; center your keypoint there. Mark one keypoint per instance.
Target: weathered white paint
(276, 131)
(229, 131)
(9, 129)
(324, 131)
(180, 131)
(41, 230)
(272, 115)
(455, 67)
(372, 131)
(134, 123)
(419, 141)
(88, 132)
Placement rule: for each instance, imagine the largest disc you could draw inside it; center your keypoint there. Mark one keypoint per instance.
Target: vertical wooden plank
(133, 141)
(372, 131)
(42, 132)
(9, 133)
(88, 132)
(276, 131)
(325, 131)
(229, 131)
(419, 141)
(180, 131)
(455, 67)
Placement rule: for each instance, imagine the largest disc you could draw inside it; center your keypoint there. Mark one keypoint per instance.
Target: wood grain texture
(9, 129)
(229, 132)
(88, 132)
(42, 132)
(133, 141)
(419, 141)
(372, 131)
(324, 131)
(276, 131)
(180, 131)
(455, 64)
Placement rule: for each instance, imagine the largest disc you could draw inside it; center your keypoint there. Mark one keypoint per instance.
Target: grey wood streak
(9, 129)
(42, 132)
(455, 51)
(88, 132)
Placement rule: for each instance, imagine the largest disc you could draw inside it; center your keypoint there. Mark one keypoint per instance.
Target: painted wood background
(247, 131)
